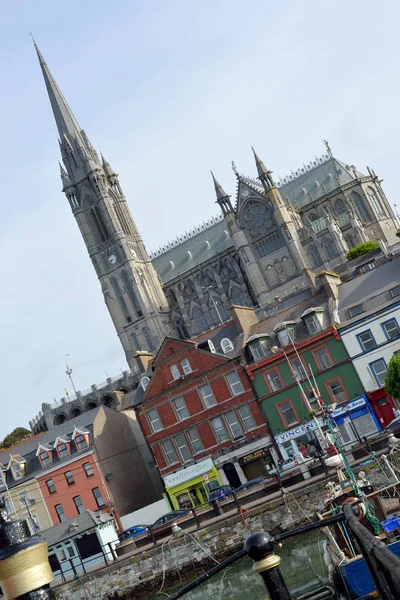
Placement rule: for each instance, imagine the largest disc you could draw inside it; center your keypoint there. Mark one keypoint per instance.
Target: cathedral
(254, 252)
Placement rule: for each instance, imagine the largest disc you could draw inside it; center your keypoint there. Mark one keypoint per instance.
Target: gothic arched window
(376, 204)
(199, 320)
(314, 256)
(148, 339)
(330, 248)
(119, 297)
(181, 329)
(99, 224)
(359, 206)
(340, 206)
(237, 296)
(132, 294)
(123, 223)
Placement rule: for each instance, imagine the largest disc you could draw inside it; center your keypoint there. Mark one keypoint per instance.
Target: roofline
(366, 317)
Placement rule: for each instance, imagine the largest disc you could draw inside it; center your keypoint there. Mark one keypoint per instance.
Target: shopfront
(383, 406)
(355, 420)
(301, 442)
(191, 486)
(257, 464)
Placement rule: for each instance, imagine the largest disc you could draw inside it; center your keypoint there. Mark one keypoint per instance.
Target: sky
(166, 90)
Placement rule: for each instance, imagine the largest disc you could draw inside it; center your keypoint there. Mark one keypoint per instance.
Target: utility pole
(28, 508)
(69, 373)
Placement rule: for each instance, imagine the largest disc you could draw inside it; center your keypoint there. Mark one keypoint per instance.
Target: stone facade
(256, 251)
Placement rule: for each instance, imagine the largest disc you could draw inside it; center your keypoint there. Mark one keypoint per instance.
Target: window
(395, 291)
(336, 390)
(247, 417)
(375, 201)
(185, 364)
(226, 345)
(169, 452)
(312, 400)
(175, 372)
(234, 425)
(283, 337)
(379, 371)
(360, 206)
(181, 409)
(287, 413)
(81, 442)
(79, 505)
(69, 477)
(8, 506)
(17, 469)
(98, 497)
(88, 469)
(99, 223)
(356, 310)
(391, 329)
(235, 383)
(366, 340)
(370, 266)
(154, 420)
(207, 395)
(258, 350)
(45, 458)
(313, 323)
(183, 448)
(62, 450)
(60, 513)
(50, 486)
(24, 498)
(299, 369)
(195, 441)
(274, 380)
(220, 429)
(323, 359)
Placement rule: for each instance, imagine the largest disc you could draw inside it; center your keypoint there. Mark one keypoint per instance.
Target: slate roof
(73, 527)
(372, 289)
(28, 448)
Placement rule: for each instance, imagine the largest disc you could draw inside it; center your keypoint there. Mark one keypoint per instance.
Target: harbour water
(301, 562)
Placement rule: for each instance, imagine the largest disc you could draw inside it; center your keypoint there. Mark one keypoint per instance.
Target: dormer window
(226, 345)
(81, 442)
(144, 382)
(211, 346)
(17, 467)
(45, 458)
(313, 318)
(258, 346)
(2, 478)
(285, 332)
(356, 310)
(62, 447)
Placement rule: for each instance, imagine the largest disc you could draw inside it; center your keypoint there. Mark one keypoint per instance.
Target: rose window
(257, 219)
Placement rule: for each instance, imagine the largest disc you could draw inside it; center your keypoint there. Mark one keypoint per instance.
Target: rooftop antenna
(69, 373)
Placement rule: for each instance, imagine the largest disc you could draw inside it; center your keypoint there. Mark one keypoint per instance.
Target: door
(231, 475)
(385, 411)
(254, 469)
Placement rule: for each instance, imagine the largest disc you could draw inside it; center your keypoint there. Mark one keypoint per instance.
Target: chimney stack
(143, 359)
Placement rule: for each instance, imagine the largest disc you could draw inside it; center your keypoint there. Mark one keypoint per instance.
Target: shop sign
(205, 477)
(297, 431)
(188, 473)
(348, 407)
(253, 456)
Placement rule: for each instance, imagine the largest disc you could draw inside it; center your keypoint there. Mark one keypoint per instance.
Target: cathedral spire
(264, 175)
(108, 170)
(67, 125)
(223, 199)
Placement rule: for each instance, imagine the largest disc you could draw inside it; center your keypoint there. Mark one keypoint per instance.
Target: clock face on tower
(112, 259)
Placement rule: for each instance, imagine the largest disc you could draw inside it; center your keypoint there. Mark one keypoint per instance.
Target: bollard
(151, 535)
(196, 517)
(25, 572)
(236, 501)
(217, 507)
(260, 547)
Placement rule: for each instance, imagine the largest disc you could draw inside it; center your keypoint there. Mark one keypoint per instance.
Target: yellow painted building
(25, 501)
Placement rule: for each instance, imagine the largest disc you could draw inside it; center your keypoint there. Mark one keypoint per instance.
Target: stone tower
(129, 282)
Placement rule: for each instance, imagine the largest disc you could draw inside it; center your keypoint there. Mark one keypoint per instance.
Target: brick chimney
(143, 359)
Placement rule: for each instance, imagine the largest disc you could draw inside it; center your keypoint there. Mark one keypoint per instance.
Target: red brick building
(200, 417)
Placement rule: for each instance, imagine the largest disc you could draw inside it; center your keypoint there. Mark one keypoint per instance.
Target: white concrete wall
(146, 515)
(106, 534)
(384, 348)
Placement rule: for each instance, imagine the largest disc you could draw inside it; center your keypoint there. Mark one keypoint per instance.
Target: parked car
(251, 484)
(164, 523)
(393, 427)
(220, 493)
(133, 532)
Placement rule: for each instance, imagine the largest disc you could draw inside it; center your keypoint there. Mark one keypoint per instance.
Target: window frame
(185, 364)
(78, 441)
(235, 372)
(304, 366)
(61, 520)
(165, 453)
(215, 430)
(243, 419)
(316, 360)
(97, 498)
(191, 442)
(361, 343)
(150, 422)
(203, 398)
(178, 447)
(230, 426)
(176, 410)
(311, 319)
(175, 373)
(65, 447)
(393, 319)
(69, 475)
(266, 373)
(372, 370)
(281, 414)
(395, 291)
(319, 408)
(86, 470)
(331, 396)
(48, 456)
(51, 485)
(356, 306)
(80, 506)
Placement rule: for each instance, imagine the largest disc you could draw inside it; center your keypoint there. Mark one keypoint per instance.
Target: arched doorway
(231, 475)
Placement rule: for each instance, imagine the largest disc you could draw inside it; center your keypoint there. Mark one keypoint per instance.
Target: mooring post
(260, 547)
(25, 572)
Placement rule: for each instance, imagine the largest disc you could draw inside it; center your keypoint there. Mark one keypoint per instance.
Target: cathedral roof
(191, 249)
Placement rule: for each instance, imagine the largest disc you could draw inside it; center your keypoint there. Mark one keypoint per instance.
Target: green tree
(19, 434)
(392, 379)
(361, 249)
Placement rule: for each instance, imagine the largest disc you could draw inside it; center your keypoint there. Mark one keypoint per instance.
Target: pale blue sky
(166, 90)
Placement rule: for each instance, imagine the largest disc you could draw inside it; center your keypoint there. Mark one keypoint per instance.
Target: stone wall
(168, 565)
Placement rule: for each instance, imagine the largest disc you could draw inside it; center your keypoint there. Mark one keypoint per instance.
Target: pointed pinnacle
(219, 190)
(261, 168)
